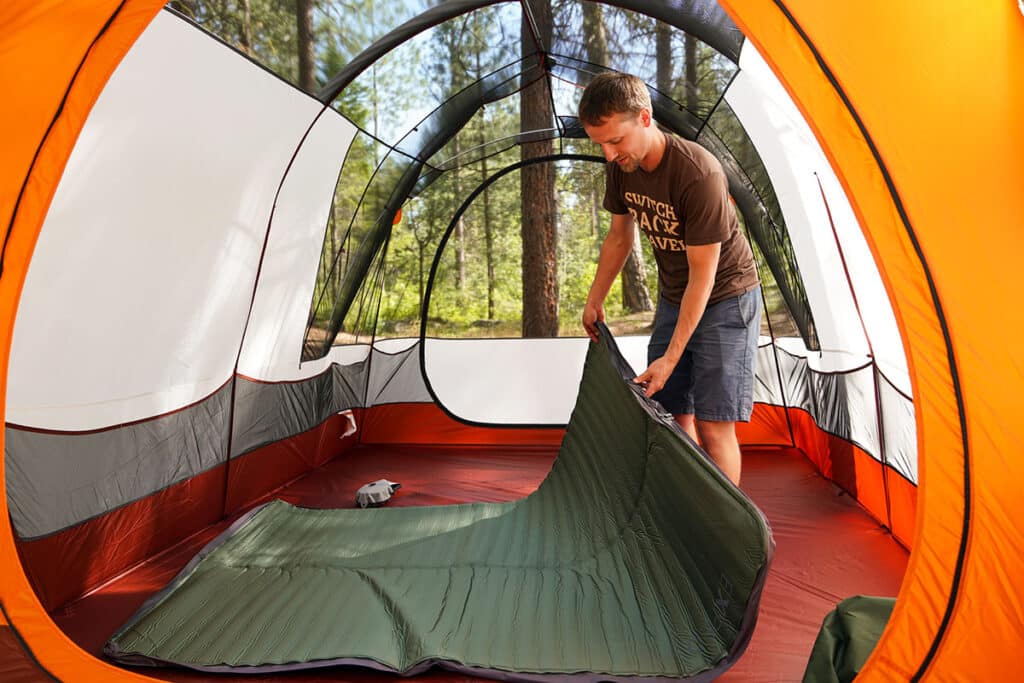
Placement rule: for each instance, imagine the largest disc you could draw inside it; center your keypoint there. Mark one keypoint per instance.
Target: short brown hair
(612, 92)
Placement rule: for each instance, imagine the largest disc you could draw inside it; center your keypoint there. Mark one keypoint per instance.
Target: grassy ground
(620, 325)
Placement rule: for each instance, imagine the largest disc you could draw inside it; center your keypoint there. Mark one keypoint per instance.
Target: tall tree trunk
(595, 36)
(663, 58)
(304, 42)
(635, 295)
(488, 223)
(537, 186)
(373, 88)
(488, 237)
(690, 64)
(460, 226)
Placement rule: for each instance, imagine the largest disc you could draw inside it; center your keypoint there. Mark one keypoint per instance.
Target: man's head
(612, 93)
(615, 110)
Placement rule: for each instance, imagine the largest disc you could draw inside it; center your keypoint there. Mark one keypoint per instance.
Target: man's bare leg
(719, 440)
(688, 424)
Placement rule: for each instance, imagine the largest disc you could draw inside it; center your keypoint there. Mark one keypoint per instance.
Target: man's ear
(645, 117)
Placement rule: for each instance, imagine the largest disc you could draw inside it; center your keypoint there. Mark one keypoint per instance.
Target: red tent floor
(827, 548)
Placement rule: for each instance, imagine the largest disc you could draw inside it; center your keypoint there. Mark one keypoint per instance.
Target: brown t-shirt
(684, 201)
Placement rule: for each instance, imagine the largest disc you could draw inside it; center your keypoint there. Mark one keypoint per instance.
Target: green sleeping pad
(634, 559)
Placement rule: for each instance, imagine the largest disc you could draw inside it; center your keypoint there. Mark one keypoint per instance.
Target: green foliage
(263, 29)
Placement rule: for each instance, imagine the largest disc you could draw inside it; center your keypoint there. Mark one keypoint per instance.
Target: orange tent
(881, 85)
(926, 194)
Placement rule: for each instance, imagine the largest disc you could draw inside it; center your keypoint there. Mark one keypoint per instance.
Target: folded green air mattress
(847, 637)
(635, 559)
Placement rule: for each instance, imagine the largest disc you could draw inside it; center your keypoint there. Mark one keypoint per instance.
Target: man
(701, 354)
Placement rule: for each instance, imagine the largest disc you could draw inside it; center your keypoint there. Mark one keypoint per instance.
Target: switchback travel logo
(657, 219)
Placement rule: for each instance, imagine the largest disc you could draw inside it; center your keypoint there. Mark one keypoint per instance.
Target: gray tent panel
(397, 377)
(58, 479)
(796, 380)
(269, 412)
(899, 428)
(766, 377)
(350, 384)
(635, 560)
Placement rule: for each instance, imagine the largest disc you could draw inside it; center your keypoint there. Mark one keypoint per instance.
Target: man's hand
(592, 313)
(654, 377)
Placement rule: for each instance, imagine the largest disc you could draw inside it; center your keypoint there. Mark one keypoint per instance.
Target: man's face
(623, 138)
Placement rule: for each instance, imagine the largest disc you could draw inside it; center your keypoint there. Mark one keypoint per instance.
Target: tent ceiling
(703, 19)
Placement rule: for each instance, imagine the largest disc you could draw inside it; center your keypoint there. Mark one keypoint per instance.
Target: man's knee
(715, 434)
(719, 440)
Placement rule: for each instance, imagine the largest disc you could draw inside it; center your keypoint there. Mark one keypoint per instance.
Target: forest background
(520, 257)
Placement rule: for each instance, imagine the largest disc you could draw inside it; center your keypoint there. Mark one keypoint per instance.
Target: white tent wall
(513, 381)
(828, 242)
(273, 340)
(797, 165)
(277, 396)
(790, 164)
(141, 283)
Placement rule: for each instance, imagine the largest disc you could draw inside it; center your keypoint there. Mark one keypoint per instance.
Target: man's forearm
(614, 252)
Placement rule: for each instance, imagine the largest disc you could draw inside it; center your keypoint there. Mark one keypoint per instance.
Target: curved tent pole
(703, 19)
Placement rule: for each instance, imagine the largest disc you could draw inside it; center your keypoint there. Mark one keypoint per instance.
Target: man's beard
(628, 165)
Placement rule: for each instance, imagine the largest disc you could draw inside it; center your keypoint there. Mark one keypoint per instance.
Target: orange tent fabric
(57, 57)
(921, 123)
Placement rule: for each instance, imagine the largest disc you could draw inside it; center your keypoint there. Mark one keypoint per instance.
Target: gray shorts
(714, 379)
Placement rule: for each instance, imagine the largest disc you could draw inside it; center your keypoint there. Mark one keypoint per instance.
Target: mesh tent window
(563, 66)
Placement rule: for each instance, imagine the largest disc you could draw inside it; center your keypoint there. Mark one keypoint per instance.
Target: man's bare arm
(614, 251)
